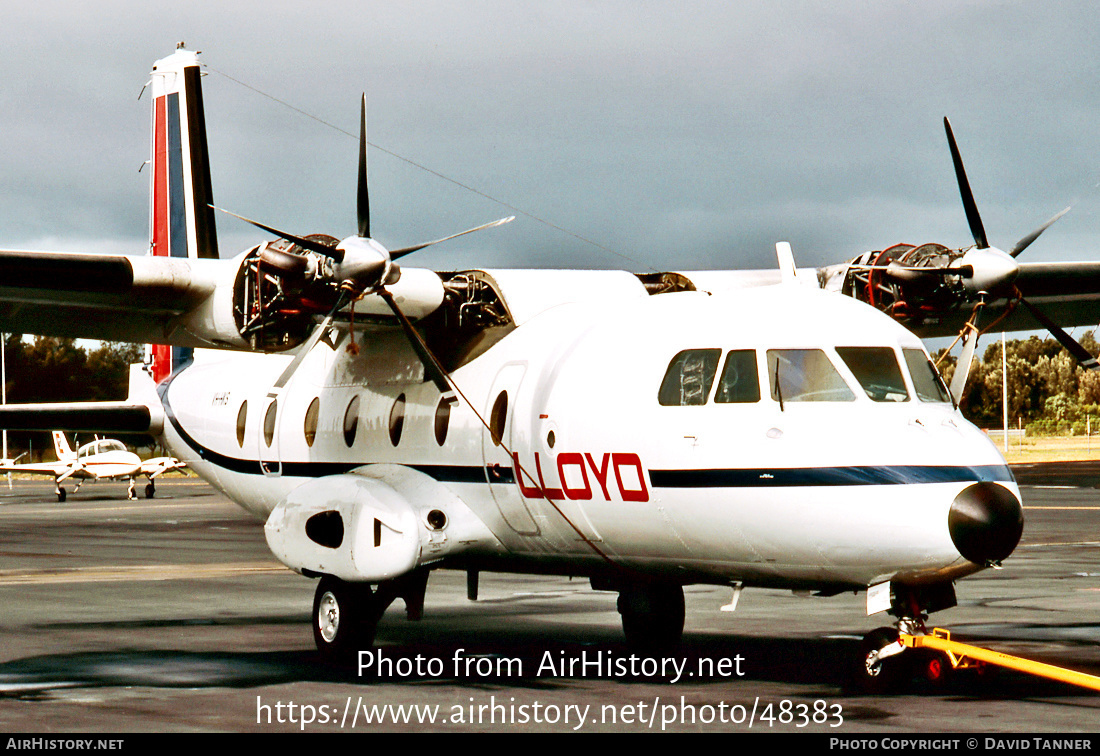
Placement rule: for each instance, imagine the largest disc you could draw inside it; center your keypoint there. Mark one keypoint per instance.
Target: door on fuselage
(499, 413)
(270, 462)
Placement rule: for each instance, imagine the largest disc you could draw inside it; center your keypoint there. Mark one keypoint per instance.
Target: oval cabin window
(310, 428)
(351, 421)
(242, 418)
(269, 422)
(442, 420)
(397, 420)
(498, 418)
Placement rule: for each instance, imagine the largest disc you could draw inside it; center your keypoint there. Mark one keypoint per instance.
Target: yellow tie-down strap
(962, 655)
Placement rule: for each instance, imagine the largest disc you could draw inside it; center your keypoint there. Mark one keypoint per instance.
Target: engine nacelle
(282, 291)
(373, 524)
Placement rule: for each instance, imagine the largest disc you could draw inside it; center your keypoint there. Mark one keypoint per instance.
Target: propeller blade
(312, 246)
(307, 347)
(361, 197)
(1027, 240)
(970, 334)
(432, 367)
(396, 253)
(962, 369)
(971, 207)
(1072, 346)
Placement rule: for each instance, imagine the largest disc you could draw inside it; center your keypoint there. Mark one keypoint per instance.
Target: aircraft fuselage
(587, 466)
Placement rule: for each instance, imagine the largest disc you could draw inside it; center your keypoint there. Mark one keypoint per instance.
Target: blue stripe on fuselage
(177, 221)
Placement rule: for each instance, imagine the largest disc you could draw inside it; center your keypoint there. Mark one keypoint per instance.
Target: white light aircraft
(101, 459)
(738, 428)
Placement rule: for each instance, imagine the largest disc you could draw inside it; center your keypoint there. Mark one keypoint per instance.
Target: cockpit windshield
(689, 377)
(799, 375)
(101, 446)
(805, 375)
(926, 379)
(878, 372)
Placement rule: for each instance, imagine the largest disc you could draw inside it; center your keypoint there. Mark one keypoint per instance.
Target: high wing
(141, 299)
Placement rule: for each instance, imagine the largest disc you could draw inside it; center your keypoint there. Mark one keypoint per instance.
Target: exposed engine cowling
(910, 283)
(373, 524)
(279, 291)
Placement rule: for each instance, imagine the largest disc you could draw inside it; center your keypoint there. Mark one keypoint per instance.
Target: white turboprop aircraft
(101, 459)
(644, 431)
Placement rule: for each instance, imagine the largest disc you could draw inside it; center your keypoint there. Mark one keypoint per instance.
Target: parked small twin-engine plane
(101, 459)
(644, 431)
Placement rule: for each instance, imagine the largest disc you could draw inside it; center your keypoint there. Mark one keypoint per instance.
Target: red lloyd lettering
(573, 482)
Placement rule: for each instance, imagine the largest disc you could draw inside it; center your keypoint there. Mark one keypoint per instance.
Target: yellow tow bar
(961, 655)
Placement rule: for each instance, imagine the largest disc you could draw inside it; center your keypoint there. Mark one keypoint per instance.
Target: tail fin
(180, 217)
(61, 447)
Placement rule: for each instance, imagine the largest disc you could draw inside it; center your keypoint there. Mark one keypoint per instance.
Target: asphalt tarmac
(170, 615)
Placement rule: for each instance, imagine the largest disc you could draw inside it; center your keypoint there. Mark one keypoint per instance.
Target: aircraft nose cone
(986, 522)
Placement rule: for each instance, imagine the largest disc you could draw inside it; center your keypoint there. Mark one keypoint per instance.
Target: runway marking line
(137, 573)
(133, 506)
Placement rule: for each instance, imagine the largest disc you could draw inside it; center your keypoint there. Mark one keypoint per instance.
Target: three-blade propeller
(994, 272)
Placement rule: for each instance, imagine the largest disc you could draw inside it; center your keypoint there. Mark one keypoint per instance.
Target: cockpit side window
(805, 375)
(739, 383)
(878, 372)
(689, 378)
(926, 379)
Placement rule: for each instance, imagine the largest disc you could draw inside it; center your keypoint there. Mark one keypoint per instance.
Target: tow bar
(962, 656)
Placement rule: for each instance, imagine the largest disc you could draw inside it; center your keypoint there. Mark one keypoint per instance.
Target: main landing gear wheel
(653, 616)
(150, 490)
(874, 674)
(61, 493)
(344, 618)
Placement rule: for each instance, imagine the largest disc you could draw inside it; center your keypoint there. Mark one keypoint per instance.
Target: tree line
(50, 369)
(1048, 392)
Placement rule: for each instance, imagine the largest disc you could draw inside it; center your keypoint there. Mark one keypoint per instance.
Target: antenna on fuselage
(787, 268)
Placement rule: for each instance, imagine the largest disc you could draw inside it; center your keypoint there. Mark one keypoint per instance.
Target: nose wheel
(877, 669)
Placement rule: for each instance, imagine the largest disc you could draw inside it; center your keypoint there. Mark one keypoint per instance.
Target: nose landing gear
(882, 665)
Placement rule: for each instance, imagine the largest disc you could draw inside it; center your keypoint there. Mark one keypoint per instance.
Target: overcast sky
(680, 136)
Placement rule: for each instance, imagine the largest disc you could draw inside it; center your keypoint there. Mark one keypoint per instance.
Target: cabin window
(442, 420)
(689, 377)
(739, 383)
(242, 417)
(926, 379)
(397, 420)
(351, 421)
(269, 421)
(310, 428)
(498, 417)
(878, 372)
(805, 375)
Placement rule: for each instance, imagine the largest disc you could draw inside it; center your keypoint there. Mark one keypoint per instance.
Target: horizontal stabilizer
(85, 417)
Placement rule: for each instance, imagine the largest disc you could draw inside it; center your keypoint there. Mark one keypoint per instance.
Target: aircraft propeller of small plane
(781, 429)
(101, 459)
